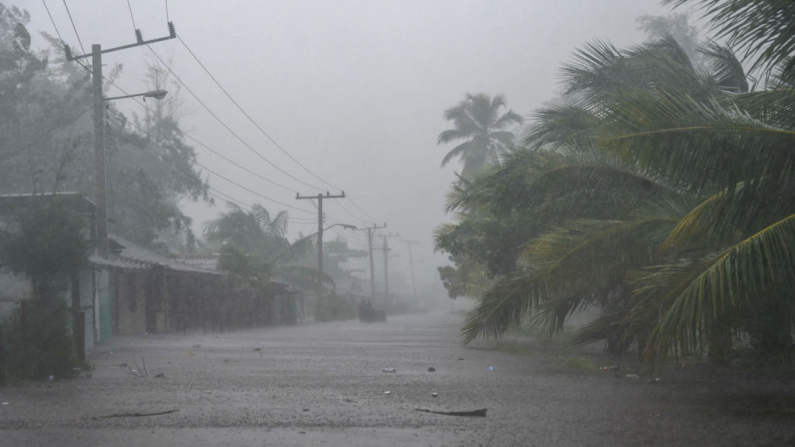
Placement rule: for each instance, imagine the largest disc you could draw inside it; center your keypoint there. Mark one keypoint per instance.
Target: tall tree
(478, 122)
(44, 110)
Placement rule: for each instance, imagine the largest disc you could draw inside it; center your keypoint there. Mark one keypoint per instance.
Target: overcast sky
(354, 90)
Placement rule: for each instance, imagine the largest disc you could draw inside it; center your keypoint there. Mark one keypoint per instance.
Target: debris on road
(431, 369)
(434, 394)
(258, 349)
(134, 415)
(460, 358)
(305, 409)
(389, 370)
(632, 376)
(160, 376)
(490, 368)
(475, 413)
(387, 393)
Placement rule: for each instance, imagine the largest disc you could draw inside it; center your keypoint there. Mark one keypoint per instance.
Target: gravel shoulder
(322, 384)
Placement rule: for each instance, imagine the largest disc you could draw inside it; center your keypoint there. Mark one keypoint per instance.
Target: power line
(131, 16)
(227, 127)
(213, 114)
(167, 18)
(190, 137)
(74, 27)
(363, 211)
(250, 118)
(215, 152)
(275, 143)
(211, 191)
(53, 21)
(148, 135)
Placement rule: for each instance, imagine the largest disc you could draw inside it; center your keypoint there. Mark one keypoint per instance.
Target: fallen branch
(134, 415)
(475, 413)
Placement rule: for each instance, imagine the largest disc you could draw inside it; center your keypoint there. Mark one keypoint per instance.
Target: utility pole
(369, 231)
(320, 198)
(386, 260)
(99, 126)
(409, 243)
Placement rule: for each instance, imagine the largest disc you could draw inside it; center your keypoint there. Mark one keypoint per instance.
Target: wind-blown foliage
(256, 247)
(661, 194)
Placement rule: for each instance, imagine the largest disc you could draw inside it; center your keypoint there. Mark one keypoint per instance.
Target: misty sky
(355, 90)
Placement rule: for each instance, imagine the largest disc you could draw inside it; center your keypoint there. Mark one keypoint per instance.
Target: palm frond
(559, 125)
(697, 295)
(503, 306)
(764, 30)
(457, 151)
(696, 143)
(295, 251)
(726, 68)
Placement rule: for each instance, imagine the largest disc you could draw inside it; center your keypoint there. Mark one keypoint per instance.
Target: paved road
(322, 384)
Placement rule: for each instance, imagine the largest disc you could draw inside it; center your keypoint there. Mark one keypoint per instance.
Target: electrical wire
(53, 21)
(275, 143)
(148, 136)
(167, 19)
(226, 126)
(74, 27)
(213, 114)
(190, 137)
(217, 153)
(250, 118)
(129, 6)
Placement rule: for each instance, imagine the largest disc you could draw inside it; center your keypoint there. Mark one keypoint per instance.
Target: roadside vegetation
(657, 188)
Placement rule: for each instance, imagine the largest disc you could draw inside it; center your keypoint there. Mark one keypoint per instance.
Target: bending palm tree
(695, 183)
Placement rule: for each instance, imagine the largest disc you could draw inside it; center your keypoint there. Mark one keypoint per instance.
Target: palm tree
(670, 204)
(478, 122)
(254, 245)
(254, 231)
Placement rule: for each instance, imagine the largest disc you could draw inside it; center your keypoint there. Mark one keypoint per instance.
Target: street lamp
(157, 94)
(99, 153)
(346, 226)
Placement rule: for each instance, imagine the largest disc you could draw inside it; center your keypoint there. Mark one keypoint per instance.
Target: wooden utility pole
(409, 243)
(386, 260)
(320, 198)
(99, 127)
(370, 231)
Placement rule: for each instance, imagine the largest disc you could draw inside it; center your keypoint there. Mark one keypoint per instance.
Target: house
(136, 290)
(151, 293)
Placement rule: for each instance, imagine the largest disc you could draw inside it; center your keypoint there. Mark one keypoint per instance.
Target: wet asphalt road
(322, 384)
